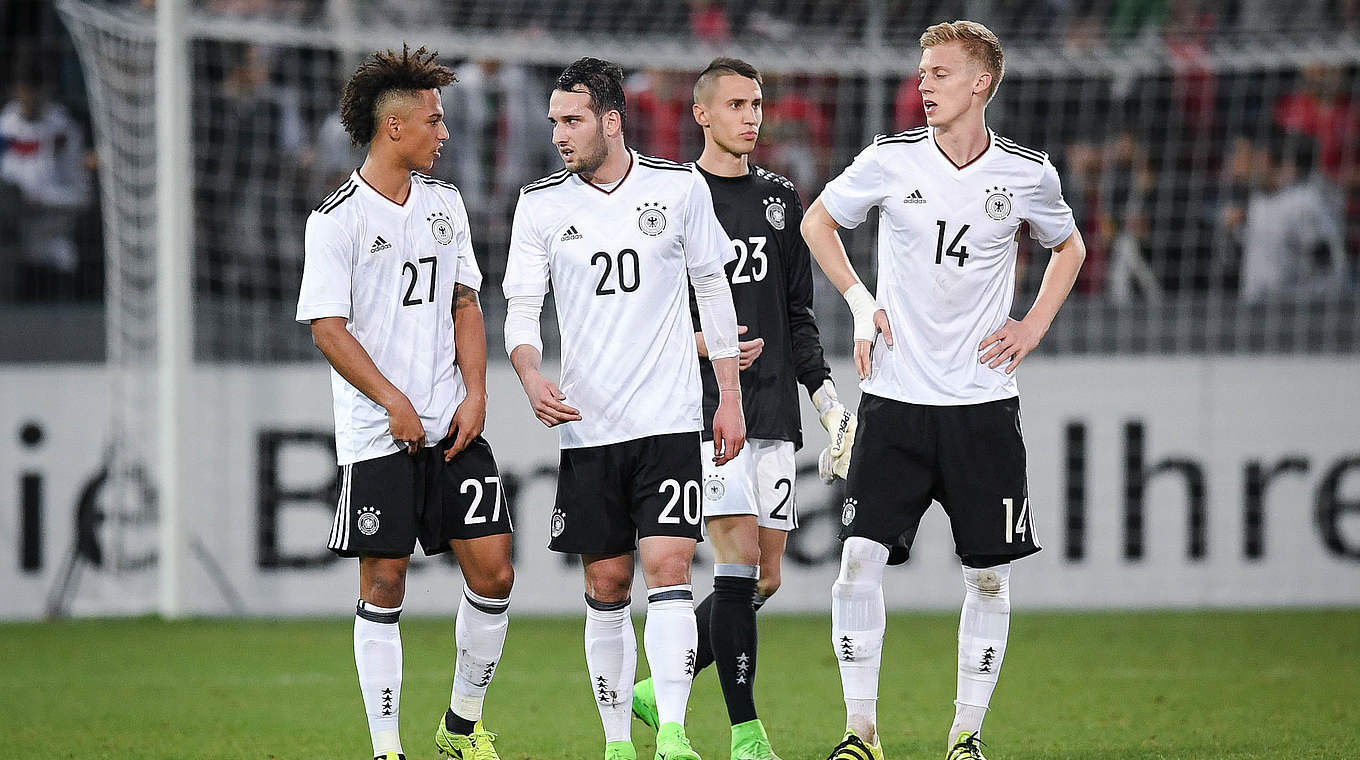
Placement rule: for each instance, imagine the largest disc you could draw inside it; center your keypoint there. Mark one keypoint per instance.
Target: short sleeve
(707, 246)
(848, 197)
(469, 273)
(326, 270)
(1050, 218)
(526, 268)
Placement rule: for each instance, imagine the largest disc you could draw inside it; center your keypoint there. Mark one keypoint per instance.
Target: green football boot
(475, 746)
(967, 746)
(749, 742)
(390, 756)
(854, 748)
(620, 751)
(644, 704)
(672, 744)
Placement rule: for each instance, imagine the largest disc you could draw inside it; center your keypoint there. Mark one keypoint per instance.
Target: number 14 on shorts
(1017, 525)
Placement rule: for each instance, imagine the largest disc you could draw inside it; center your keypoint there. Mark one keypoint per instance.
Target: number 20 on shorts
(688, 494)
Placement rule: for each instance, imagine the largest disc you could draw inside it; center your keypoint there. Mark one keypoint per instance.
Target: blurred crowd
(1195, 177)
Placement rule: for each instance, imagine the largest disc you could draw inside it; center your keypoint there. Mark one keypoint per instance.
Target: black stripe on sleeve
(338, 191)
(1014, 152)
(556, 178)
(662, 164)
(1007, 142)
(541, 185)
(427, 179)
(902, 140)
(333, 205)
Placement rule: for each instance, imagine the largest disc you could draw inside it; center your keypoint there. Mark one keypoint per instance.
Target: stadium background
(1192, 431)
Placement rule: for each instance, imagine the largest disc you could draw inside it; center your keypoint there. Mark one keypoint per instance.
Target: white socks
(479, 635)
(857, 623)
(983, 627)
(671, 639)
(611, 658)
(377, 656)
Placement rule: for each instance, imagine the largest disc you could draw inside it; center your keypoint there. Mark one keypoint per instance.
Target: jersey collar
(955, 169)
(632, 161)
(382, 201)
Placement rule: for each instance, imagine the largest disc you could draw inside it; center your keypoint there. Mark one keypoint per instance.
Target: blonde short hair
(979, 42)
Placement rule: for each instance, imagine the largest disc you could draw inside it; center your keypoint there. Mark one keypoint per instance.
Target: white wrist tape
(717, 314)
(862, 308)
(824, 398)
(521, 323)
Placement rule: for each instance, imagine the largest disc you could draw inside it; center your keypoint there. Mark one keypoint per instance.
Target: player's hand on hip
(729, 429)
(864, 347)
(750, 349)
(1010, 344)
(548, 401)
(469, 420)
(405, 425)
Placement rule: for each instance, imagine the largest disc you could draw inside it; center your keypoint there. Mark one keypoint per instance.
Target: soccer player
(389, 287)
(749, 504)
(939, 418)
(618, 234)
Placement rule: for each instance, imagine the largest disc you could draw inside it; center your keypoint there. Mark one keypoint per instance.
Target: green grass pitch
(1074, 685)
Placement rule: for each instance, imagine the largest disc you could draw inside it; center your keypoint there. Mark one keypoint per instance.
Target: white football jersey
(390, 269)
(619, 263)
(947, 238)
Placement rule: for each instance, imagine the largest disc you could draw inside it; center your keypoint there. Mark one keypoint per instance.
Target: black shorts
(969, 458)
(387, 503)
(610, 496)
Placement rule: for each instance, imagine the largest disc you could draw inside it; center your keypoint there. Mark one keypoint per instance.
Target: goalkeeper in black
(749, 503)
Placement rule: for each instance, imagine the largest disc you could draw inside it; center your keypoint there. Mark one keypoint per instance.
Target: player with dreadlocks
(389, 287)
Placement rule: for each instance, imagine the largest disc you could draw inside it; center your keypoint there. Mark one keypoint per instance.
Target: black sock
(703, 652)
(457, 723)
(733, 636)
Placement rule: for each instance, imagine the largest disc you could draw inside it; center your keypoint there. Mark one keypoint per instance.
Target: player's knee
(669, 571)
(746, 555)
(989, 586)
(988, 581)
(862, 562)
(495, 583)
(609, 587)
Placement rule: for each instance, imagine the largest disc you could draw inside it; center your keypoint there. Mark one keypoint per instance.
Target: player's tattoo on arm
(463, 296)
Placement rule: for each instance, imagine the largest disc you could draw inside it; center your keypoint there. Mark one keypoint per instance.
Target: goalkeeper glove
(834, 461)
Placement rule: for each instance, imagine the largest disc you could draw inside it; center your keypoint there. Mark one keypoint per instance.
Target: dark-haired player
(939, 416)
(749, 504)
(390, 290)
(621, 237)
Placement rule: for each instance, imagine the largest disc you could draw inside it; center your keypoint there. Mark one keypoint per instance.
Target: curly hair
(602, 79)
(383, 77)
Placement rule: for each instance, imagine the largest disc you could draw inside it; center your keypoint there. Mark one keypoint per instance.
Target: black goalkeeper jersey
(772, 288)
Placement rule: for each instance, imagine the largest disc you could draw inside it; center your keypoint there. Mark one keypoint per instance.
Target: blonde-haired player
(939, 416)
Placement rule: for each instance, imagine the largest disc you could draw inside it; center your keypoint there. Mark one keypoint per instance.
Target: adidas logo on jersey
(571, 234)
(915, 197)
(379, 245)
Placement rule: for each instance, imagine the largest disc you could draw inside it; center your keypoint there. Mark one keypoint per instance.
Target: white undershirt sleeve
(717, 314)
(521, 323)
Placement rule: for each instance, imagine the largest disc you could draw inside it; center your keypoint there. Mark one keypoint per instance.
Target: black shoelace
(972, 745)
(851, 741)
